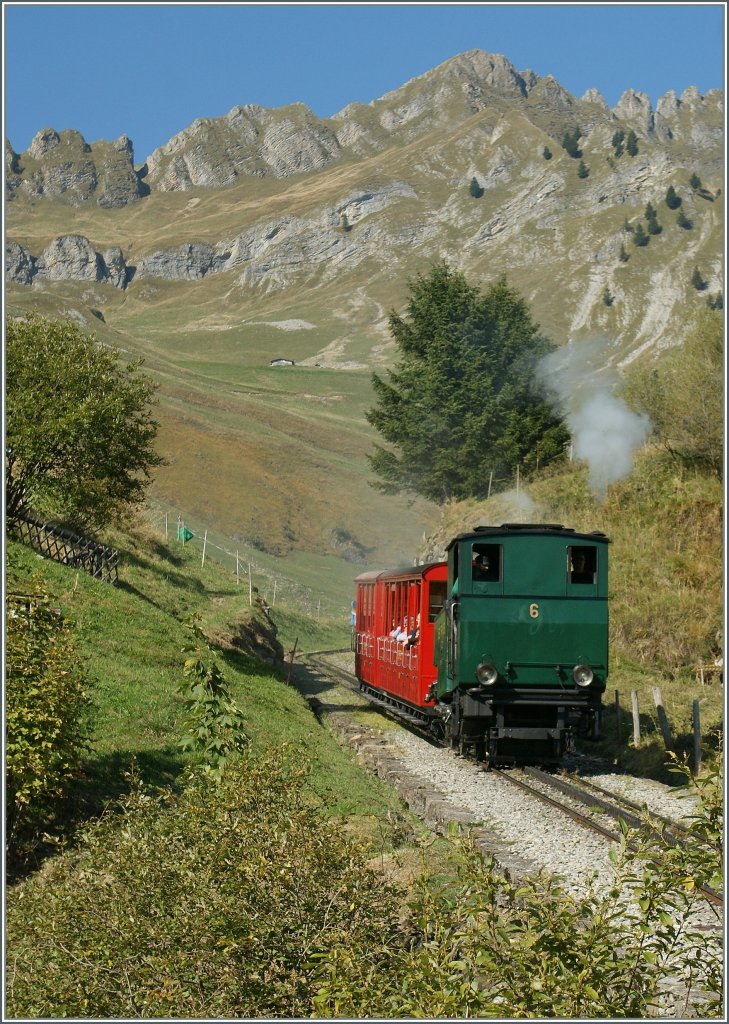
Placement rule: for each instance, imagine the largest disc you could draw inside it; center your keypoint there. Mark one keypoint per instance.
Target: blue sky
(148, 70)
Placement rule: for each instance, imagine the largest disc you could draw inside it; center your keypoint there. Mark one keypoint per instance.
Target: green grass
(130, 640)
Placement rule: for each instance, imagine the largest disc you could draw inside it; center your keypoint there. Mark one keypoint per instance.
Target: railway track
(607, 803)
(573, 796)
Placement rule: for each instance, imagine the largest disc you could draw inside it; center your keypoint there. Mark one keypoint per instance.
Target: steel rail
(568, 789)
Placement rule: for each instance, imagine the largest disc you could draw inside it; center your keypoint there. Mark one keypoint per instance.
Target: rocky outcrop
(67, 258)
(187, 262)
(20, 266)
(64, 166)
(249, 141)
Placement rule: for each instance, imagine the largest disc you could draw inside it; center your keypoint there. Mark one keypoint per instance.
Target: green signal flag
(184, 534)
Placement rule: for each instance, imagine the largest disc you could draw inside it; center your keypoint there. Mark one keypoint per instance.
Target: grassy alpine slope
(130, 642)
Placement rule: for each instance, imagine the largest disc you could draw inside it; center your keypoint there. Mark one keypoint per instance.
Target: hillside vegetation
(256, 896)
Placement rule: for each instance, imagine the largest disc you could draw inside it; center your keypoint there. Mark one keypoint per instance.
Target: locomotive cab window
(582, 564)
(486, 563)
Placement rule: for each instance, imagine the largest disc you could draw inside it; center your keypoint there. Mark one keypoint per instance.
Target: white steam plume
(605, 432)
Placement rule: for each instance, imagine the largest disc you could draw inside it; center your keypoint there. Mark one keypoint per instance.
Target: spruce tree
(683, 221)
(617, 141)
(697, 280)
(623, 256)
(461, 401)
(475, 189)
(673, 200)
(640, 238)
(582, 170)
(569, 143)
(547, 153)
(631, 143)
(654, 228)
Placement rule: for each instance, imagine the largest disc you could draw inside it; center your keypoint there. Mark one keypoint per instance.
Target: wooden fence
(63, 546)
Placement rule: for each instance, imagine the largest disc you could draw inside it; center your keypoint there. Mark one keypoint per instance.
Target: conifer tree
(461, 402)
(697, 280)
(547, 153)
(475, 189)
(640, 238)
(631, 143)
(617, 141)
(623, 255)
(673, 200)
(582, 170)
(683, 221)
(570, 141)
(654, 228)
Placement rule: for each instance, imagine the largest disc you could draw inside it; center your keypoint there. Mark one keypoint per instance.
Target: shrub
(215, 904)
(490, 947)
(216, 734)
(45, 703)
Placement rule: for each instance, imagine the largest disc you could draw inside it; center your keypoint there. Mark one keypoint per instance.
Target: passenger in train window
(414, 634)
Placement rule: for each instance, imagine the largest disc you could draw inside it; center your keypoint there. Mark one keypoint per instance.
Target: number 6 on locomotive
(502, 650)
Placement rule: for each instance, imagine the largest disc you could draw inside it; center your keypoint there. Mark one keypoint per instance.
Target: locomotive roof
(521, 529)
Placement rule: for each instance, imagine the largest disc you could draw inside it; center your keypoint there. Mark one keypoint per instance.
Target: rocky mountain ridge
(406, 160)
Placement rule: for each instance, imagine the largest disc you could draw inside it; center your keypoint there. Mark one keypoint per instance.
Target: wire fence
(240, 566)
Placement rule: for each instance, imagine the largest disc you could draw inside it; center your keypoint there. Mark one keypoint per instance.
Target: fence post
(617, 716)
(273, 602)
(250, 585)
(205, 544)
(697, 737)
(663, 718)
(237, 569)
(491, 476)
(636, 718)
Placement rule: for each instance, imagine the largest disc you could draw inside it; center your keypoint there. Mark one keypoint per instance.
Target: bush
(216, 904)
(488, 947)
(45, 703)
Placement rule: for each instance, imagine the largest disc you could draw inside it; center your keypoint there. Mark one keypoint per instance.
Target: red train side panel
(408, 601)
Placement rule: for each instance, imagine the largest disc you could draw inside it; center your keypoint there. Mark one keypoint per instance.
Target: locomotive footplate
(522, 725)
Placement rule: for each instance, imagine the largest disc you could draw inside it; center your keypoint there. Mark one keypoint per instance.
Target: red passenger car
(405, 601)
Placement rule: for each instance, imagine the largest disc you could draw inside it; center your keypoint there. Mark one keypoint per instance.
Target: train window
(486, 563)
(436, 598)
(582, 564)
